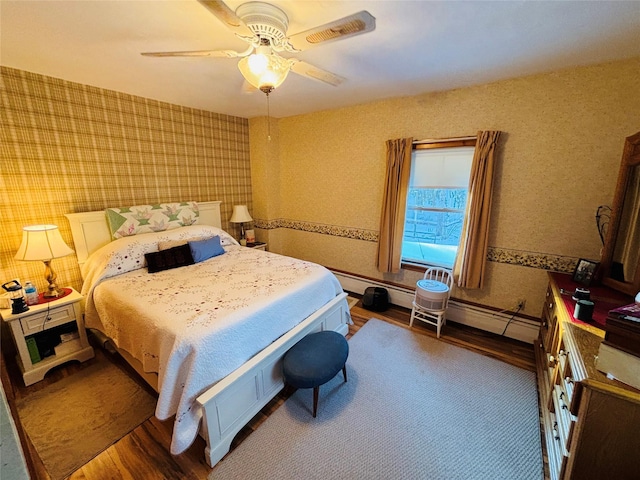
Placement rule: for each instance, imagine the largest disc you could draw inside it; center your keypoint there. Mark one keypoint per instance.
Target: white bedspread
(194, 325)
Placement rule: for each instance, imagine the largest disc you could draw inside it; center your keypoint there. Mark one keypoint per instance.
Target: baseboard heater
(520, 328)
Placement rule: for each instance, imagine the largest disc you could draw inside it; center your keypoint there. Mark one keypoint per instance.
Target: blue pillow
(204, 249)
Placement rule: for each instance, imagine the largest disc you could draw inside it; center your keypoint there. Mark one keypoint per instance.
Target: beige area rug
(413, 408)
(75, 419)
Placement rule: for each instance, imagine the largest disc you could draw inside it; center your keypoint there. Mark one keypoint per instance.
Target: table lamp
(241, 215)
(44, 243)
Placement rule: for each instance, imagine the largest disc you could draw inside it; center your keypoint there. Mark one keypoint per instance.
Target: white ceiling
(417, 46)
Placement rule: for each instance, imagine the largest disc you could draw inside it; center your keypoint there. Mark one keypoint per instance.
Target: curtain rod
(441, 140)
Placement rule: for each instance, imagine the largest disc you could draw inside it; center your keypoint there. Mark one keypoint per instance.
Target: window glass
(436, 202)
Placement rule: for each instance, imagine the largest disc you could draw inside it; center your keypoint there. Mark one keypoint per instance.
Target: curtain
(394, 204)
(469, 268)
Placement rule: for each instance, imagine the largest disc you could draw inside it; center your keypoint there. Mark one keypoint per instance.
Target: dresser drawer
(41, 321)
(550, 301)
(549, 327)
(566, 420)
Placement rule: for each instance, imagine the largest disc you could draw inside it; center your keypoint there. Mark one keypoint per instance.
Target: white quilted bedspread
(194, 325)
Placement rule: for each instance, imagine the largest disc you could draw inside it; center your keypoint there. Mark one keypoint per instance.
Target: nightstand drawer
(41, 321)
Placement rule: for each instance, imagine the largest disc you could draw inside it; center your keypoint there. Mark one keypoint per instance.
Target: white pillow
(225, 239)
(177, 243)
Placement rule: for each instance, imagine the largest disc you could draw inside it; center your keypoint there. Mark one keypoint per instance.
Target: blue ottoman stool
(315, 360)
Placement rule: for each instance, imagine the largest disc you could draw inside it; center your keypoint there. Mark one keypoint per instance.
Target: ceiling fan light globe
(258, 63)
(272, 79)
(247, 73)
(274, 74)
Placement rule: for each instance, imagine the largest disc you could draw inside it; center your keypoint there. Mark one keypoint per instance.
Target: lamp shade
(42, 242)
(240, 214)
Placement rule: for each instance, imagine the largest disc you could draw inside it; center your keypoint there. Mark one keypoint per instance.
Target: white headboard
(90, 230)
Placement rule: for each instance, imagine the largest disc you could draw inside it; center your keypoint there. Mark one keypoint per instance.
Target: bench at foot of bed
(233, 401)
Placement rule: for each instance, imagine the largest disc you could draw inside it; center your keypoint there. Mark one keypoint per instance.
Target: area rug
(73, 420)
(413, 407)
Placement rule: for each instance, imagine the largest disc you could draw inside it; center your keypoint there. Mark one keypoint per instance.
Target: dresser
(591, 423)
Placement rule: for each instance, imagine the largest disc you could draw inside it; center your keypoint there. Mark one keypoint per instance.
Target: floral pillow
(127, 221)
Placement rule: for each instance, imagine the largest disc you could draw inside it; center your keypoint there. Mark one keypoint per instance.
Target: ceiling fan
(264, 27)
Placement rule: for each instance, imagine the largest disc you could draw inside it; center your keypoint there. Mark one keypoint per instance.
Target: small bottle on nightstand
(31, 293)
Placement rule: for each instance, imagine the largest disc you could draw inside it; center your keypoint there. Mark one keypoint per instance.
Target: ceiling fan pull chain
(268, 120)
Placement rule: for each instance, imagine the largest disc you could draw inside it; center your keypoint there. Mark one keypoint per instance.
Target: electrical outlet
(521, 303)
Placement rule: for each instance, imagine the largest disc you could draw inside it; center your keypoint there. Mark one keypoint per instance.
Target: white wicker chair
(428, 311)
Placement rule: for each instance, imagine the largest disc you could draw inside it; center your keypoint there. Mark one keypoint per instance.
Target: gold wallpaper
(315, 188)
(557, 162)
(67, 147)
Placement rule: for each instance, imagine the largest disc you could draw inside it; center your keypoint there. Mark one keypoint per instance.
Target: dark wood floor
(144, 453)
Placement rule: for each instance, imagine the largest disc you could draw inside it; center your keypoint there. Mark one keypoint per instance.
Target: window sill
(421, 267)
(414, 267)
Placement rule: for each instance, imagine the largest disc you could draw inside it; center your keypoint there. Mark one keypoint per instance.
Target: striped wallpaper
(67, 147)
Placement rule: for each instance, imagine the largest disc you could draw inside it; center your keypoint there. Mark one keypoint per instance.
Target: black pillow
(171, 258)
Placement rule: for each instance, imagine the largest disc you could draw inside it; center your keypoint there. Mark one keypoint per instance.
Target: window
(436, 202)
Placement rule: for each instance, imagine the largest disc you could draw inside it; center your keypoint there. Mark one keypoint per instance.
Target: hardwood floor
(144, 452)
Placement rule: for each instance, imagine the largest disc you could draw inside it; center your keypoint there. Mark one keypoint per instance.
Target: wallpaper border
(544, 261)
(333, 230)
(522, 258)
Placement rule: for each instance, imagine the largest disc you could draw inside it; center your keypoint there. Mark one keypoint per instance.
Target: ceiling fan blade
(361, 22)
(199, 53)
(228, 17)
(315, 73)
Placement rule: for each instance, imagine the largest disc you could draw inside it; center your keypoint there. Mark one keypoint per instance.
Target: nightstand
(257, 246)
(36, 331)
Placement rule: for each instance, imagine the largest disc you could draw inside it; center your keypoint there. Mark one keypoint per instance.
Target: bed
(210, 336)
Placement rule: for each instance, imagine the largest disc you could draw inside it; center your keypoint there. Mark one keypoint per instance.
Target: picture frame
(585, 272)
(250, 236)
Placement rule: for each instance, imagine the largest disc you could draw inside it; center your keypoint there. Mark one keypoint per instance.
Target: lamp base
(52, 292)
(50, 275)
(63, 293)
(243, 239)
